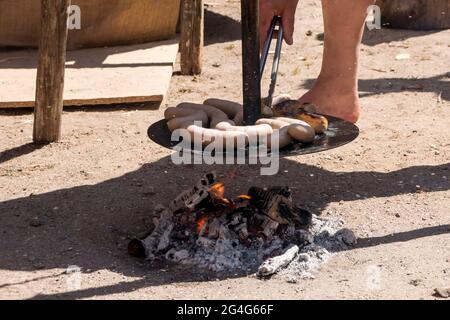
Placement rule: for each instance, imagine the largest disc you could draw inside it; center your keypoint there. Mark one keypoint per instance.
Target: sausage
(215, 115)
(317, 121)
(254, 133)
(305, 112)
(172, 113)
(208, 136)
(234, 110)
(301, 133)
(297, 129)
(284, 138)
(263, 129)
(184, 122)
(274, 123)
(301, 122)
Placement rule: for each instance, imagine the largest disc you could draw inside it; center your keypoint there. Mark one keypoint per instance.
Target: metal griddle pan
(339, 133)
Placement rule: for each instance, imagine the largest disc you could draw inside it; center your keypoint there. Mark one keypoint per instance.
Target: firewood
(273, 265)
(194, 196)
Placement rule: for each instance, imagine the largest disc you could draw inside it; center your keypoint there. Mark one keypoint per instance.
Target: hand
(283, 8)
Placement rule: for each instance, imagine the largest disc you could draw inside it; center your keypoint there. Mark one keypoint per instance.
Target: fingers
(288, 21)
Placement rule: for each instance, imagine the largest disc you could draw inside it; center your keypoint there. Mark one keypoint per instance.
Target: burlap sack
(103, 22)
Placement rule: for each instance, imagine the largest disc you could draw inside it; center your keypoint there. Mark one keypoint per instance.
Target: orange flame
(244, 197)
(218, 190)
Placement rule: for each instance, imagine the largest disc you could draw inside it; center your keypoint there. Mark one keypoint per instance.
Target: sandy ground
(78, 202)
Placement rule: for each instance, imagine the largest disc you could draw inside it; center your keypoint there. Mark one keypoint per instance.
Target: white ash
(228, 254)
(329, 237)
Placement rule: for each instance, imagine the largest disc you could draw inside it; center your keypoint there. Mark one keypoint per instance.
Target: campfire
(262, 229)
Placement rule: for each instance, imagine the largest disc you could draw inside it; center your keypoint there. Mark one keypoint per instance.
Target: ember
(204, 228)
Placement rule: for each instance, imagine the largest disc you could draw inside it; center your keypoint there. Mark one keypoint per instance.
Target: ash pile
(262, 231)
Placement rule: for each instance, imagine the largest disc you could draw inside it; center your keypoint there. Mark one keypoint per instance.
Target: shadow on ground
(386, 35)
(370, 87)
(220, 28)
(90, 226)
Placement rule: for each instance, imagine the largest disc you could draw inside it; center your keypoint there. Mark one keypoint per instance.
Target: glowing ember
(201, 223)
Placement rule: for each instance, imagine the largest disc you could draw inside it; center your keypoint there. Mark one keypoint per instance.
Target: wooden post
(50, 73)
(192, 34)
(251, 61)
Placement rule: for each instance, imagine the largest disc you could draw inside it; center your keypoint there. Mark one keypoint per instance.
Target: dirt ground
(78, 202)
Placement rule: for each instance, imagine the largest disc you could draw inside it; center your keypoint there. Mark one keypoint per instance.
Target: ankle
(338, 81)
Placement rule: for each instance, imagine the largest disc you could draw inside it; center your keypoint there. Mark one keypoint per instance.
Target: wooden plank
(126, 74)
(103, 22)
(50, 71)
(192, 36)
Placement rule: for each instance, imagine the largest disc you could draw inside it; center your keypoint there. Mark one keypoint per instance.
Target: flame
(201, 223)
(218, 190)
(244, 197)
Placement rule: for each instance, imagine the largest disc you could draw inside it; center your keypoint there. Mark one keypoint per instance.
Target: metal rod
(251, 61)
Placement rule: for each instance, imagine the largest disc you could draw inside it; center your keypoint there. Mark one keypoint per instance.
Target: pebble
(347, 236)
(38, 266)
(415, 282)
(292, 280)
(403, 56)
(35, 222)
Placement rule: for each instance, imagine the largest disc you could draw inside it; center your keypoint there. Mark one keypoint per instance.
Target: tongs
(276, 22)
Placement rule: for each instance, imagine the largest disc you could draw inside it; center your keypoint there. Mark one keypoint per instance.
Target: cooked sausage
(207, 136)
(210, 135)
(172, 113)
(274, 123)
(317, 121)
(215, 115)
(263, 129)
(297, 121)
(184, 122)
(284, 139)
(301, 133)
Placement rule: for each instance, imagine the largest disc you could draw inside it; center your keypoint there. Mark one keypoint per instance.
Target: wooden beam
(192, 36)
(251, 61)
(50, 73)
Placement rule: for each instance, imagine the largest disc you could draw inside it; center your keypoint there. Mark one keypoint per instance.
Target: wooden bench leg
(50, 73)
(192, 34)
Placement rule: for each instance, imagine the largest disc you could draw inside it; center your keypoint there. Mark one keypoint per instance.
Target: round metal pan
(339, 133)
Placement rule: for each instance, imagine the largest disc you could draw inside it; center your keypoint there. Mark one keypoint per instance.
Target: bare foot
(334, 98)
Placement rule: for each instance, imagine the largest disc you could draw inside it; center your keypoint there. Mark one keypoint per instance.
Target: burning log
(272, 265)
(277, 204)
(191, 198)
